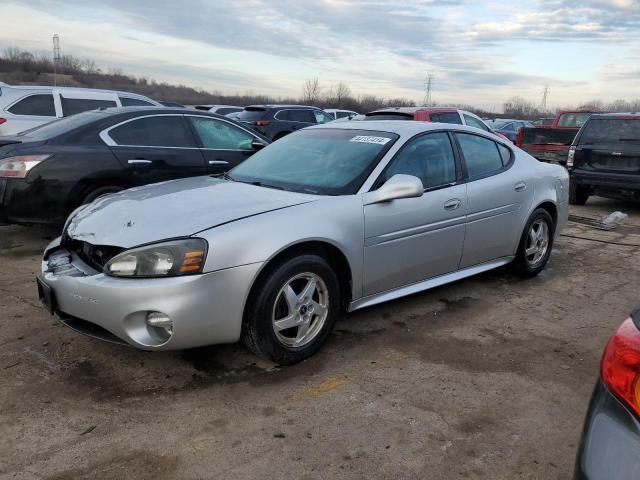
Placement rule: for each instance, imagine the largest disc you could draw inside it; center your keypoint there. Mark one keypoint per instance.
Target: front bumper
(610, 444)
(205, 309)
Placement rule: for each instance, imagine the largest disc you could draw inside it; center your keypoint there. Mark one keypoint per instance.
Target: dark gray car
(276, 121)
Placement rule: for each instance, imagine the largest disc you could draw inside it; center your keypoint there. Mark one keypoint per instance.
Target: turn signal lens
(620, 366)
(166, 259)
(19, 166)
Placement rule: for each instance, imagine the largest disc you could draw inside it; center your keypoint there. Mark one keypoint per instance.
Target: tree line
(21, 67)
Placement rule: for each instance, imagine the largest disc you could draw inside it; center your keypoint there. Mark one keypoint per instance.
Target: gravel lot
(485, 378)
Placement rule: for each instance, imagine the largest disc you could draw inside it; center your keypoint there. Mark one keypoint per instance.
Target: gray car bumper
(205, 309)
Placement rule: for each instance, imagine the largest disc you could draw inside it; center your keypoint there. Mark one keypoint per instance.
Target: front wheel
(535, 244)
(293, 310)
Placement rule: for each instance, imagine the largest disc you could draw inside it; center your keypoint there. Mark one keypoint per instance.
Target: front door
(156, 148)
(224, 145)
(413, 239)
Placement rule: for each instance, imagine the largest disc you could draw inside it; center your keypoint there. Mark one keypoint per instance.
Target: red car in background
(550, 143)
(431, 114)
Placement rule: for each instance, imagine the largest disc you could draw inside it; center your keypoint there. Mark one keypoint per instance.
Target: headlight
(166, 259)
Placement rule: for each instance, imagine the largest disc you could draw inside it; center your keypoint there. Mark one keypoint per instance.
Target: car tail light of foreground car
(19, 166)
(620, 367)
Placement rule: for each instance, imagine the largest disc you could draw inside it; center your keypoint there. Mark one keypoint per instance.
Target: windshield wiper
(224, 176)
(265, 185)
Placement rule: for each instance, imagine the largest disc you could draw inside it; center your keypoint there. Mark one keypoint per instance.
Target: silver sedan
(331, 218)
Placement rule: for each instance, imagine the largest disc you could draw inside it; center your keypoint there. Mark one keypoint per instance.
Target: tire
(530, 265)
(268, 304)
(578, 194)
(100, 191)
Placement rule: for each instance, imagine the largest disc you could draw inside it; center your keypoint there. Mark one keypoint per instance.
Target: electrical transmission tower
(545, 95)
(56, 58)
(428, 89)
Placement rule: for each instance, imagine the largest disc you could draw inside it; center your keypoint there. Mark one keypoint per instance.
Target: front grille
(96, 256)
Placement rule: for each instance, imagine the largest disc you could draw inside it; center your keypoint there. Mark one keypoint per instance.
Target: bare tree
(311, 91)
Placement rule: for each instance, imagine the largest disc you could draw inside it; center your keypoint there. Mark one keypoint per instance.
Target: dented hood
(177, 208)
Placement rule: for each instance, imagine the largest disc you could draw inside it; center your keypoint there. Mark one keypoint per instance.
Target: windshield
(574, 120)
(320, 161)
(63, 125)
(611, 130)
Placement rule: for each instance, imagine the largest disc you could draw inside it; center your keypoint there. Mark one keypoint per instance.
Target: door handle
(452, 204)
(520, 187)
(218, 162)
(139, 161)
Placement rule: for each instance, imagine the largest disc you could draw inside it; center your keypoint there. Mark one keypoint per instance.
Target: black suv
(604, 158)
(276, 121)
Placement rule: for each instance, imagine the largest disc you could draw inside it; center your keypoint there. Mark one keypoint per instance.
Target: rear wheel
(293, 309)
(535, 244)
(578, 194)
(99, 192)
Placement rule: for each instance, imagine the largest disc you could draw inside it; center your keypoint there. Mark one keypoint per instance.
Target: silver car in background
(333, 217)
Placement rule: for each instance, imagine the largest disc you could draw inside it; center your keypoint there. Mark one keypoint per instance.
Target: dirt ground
(488, 377)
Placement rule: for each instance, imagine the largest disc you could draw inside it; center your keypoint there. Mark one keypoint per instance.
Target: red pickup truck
(550, 143)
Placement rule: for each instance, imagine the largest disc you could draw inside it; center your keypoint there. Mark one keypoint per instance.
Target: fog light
(160, 324)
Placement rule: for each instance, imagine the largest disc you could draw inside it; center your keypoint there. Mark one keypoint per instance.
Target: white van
(25, 107)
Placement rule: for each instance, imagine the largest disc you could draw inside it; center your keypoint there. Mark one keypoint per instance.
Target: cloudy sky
(480, 52)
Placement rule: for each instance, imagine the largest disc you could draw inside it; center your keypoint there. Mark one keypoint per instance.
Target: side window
(71, 106)
(158, 131)
(342, 114)
(505, 153)
(35, 105)
(305, 116)
(322, 117)
(219, 135)
(446, 117)
(474, 122)
(134, 102)
(284, 115)
(428, 157)
(480, 154)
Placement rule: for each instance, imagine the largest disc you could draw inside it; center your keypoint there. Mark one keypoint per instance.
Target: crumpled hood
(177, 208)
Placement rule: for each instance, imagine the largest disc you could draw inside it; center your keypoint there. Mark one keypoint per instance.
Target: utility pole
(545, 95)
(56, 58)
(428, 87)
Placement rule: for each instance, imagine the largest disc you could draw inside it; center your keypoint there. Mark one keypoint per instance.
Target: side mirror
(397, 187)
(257, 144)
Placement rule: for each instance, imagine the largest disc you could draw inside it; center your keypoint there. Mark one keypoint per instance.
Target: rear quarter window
(40, 105)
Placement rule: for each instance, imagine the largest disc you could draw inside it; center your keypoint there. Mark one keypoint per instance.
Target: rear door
(27, 112)
(224, 145)
(155, 148)
(499, 195)
(610, 145)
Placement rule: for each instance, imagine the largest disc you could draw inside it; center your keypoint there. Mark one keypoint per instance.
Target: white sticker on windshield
(368, 139)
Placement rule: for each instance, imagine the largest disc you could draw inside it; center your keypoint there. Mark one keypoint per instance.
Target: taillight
(571, 156)
(262, 123)
(519, 137)
(620, 366)
(2, 120)
(19, 166)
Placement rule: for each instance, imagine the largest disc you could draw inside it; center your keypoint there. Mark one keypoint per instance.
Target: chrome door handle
(452, 204)
(218, 162)
(139, 161)
(520, 187)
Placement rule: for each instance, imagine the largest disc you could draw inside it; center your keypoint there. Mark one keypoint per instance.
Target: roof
(272, 105)
(399, 127)
(70, 89)
(618, 115)
(412, 110)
